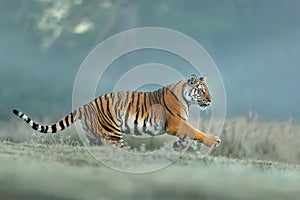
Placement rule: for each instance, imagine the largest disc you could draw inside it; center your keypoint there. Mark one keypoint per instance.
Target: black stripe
(102, 117)
(35, 126)
(114, 137)
(153, 97)
(157, 97)
(119, 100)
(87, 111)
(42, 129)
(105, 96)
(108, 120)
(16, 112)
(144, 104)
(46, 130)
(61, 123)
(137, 110)
(167, 107)
(102, 110)
(21, 115)
(118, 114)
(144, 128)
(130, 104)
(136, 130)
(136, 119)
(154, 94)
(126, 122)
(112, 98)
(176, 85)
(110, 126)
(162, 97)
(150, 99)
(87, 116)
(145, 101)
(98, 110)
(132, 98)
(167, 90)
(127, 95)
(162, 93)
(109, 113)
(117, 103)
(75, 113)
(150, 105)
(53, 128)
(107, 129)
(116, 107)
(181, 117)
(97, 105)
(67, 120)
(166, 123)
(138, 102)
(72, 118)
(28, 120)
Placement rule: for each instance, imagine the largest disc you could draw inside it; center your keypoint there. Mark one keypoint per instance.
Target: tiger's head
(197, 92)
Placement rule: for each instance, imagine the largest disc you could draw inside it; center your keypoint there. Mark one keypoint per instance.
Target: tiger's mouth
(203, 106)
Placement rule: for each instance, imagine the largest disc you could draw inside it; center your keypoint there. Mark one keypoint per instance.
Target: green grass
(33, 170)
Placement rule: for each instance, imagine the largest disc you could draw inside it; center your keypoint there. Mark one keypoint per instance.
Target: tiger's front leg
(183, 128)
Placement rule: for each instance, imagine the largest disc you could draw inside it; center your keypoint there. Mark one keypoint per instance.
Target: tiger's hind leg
(113, 139)
(97, 136)
(103, 138)
(93, 140)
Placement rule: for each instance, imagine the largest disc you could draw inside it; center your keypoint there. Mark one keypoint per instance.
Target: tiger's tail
(59, 126)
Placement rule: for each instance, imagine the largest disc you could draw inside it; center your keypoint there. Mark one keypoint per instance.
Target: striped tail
(59, 126)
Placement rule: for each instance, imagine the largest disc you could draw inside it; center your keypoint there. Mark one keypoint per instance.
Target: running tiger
(140, 113)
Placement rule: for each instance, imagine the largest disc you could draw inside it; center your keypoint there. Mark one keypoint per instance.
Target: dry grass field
(256, 160)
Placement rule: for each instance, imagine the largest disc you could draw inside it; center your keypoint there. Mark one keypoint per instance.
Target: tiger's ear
(192, 80)
(203, 78)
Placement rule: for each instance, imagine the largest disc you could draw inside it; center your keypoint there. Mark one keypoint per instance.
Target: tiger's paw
(211, 141)
(180, 145)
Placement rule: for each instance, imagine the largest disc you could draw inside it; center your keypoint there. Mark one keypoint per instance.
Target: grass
(243, 137)
(248, 137)
(58, 171)
(256, 160)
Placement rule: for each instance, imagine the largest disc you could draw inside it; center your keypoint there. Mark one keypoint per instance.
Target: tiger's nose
(209, 99)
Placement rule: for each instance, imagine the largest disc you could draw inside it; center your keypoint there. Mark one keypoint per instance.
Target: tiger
(154, 113)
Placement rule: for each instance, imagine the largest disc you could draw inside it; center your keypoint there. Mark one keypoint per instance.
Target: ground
(58, 171)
